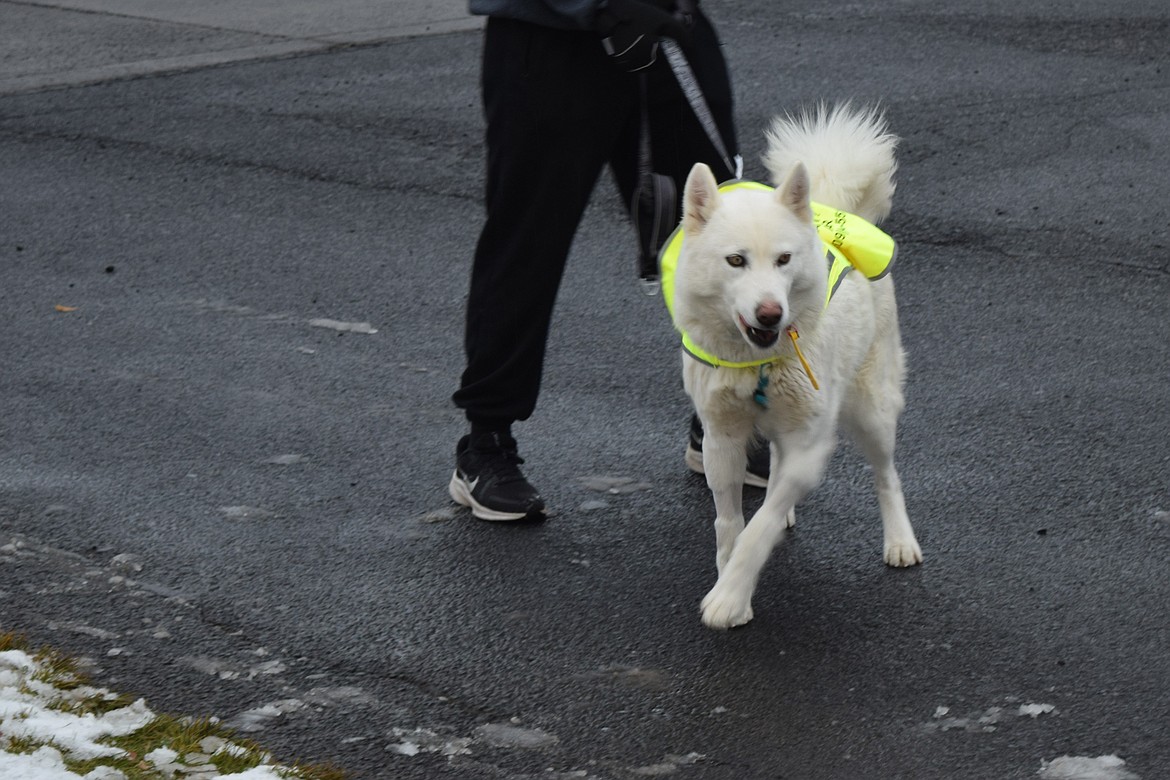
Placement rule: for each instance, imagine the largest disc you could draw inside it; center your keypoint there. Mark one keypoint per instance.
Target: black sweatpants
(558, 110)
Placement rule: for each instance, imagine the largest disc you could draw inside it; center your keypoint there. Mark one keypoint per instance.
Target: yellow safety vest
(850, 242)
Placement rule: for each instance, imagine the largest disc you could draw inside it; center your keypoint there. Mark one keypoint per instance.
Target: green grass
(184, 735)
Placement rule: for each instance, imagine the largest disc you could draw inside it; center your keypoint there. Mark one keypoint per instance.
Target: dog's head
(752, 264)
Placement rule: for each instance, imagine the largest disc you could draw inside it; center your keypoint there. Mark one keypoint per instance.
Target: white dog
(753, 275)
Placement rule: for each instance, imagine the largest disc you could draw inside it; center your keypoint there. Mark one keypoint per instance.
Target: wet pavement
(234, 250)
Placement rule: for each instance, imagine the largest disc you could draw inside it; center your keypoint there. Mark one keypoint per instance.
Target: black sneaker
(759, 456)
(487, 478)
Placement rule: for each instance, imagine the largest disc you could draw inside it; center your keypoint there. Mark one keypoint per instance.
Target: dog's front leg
(729, 603)
(724, 461)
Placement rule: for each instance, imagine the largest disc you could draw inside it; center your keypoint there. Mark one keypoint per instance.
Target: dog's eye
(783, 258)
(736, 261)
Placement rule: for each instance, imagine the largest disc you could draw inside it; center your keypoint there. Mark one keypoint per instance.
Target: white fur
(841, 157)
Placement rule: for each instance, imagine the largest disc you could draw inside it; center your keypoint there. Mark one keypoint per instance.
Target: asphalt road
(231, 510)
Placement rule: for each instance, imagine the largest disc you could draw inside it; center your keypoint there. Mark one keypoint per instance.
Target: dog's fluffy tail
(849, 154)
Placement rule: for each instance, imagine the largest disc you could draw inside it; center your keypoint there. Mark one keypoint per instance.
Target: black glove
(632, 29)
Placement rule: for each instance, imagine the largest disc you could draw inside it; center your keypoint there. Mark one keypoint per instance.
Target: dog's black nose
(768, 314)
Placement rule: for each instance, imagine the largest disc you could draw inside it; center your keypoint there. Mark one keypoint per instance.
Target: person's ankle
(491, 433)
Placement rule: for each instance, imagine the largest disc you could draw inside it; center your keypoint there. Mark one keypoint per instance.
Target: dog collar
(850, 243)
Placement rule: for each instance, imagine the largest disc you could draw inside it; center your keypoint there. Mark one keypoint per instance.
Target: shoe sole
(694, 460)
(460, 494)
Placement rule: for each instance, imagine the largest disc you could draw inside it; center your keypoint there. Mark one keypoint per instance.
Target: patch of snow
(985, 721)
(105, 773)
(227, 748)
(241, 512)
(42, 764)
(211, 666)
(264, 772)
(38, 711)
(128, 563)
(275, 666)
(161, 755)
(290, 459)
(688, 759)
(344, 327)
(343, 695)
(1085, 768)
(669, 765)
(614, 486)
(25, 712)
(507, 735)
(259, 718)
(405, 748)
(415, 741)
(438, 515)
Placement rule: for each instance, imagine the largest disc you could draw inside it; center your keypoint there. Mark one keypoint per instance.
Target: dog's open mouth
(761, 337)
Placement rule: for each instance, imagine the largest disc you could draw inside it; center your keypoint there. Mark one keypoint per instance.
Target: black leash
(694, 94)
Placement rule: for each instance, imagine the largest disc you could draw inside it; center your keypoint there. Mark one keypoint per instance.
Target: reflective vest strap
(838, 267)
(667, 264)
(701, 355)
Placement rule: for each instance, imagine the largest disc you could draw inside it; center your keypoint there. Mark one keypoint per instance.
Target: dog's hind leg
(729, 603)
(899, 547)
(871, 417)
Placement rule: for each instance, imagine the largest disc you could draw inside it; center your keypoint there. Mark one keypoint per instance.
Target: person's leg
(553, 107)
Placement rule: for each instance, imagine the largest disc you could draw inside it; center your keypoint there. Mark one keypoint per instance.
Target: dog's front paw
(903, 554)
(790, 518)
(726, 607)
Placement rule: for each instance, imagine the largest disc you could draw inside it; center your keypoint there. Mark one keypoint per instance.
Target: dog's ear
(700, 199)
(793, 194)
